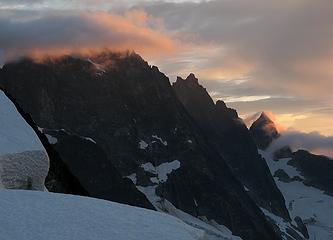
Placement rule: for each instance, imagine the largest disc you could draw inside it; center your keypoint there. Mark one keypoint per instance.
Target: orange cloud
(84, 33)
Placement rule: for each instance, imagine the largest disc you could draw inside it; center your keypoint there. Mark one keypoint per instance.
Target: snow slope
(23, 160)
(309, 203)
(15, 134)
(33, 215)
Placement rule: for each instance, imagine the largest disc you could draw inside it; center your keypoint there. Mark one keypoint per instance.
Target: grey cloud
(308, 141)
(34, 31)
(280, 105)
(276, 36)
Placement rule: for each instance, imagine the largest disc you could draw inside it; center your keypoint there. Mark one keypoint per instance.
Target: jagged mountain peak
(227, 133)
(264, 130)
(266, 116)
(191, 79)
(141, 129)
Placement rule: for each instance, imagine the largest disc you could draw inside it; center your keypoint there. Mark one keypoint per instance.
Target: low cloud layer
(54, 33)
(313, 142)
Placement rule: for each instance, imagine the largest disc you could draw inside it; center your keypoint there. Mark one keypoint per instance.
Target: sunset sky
(254, 54)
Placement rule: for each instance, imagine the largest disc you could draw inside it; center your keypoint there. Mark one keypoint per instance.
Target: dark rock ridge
(316, 170)
(264, 131)
(231, 138)
(71, 157)
(59, 178)
(284, 152)
(132, 113)
(88, 163)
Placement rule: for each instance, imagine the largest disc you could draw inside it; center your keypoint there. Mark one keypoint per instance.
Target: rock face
(231, 138)
(316, 170)
(139, 126)
(63, 176)
(88, 162)
(264, 131)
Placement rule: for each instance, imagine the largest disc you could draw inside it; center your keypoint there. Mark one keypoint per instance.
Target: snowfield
(15, 133)
(33, 215)
(311, 204)
(23, 159)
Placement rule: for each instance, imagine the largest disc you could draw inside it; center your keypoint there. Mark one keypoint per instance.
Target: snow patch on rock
(89, 139)
(143, 145)
(165, 143)
(149, 167)
(132, 177)
(162, 170)
(51, 139)
(166, 168)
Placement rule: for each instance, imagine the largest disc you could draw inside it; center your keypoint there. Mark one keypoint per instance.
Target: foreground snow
(33, 215)
(15, 134)
(23, 160)
(311, 204)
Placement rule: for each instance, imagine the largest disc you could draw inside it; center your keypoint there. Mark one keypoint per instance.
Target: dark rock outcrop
(59, 178)
(284, 152)
(231, 138)
(317, 170)
(88, 163)
(301, 226)
(133, 115)
(69, 162)
(264, 131)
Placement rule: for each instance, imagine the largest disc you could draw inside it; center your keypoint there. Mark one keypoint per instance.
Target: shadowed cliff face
(230, 137)
(71, 157)
(131, 112)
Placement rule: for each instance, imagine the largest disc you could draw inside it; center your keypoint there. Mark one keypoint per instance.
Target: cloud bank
(57, 33)
(313, 142)
(284, 47)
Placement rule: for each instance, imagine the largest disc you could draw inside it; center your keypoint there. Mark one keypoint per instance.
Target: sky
(256, 55)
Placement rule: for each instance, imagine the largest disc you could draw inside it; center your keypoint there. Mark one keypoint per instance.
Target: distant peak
(221, 104)
(264, 130)
(192, 78)
(263, 119)
(266, 116)
(179, 79)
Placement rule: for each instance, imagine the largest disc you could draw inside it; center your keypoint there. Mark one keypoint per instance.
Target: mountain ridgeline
(117, 127)
(232, 140)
